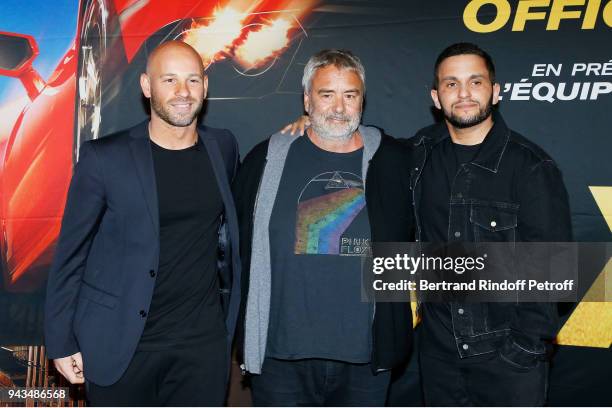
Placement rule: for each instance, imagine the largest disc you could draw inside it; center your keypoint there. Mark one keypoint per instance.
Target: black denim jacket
(512, 191)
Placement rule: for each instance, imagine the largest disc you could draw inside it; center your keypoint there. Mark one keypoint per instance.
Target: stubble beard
(172, 118)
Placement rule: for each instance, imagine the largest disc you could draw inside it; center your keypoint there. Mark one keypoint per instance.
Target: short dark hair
(463, 48)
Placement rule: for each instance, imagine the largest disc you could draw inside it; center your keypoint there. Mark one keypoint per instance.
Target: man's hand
(299, 125)
(71, 367)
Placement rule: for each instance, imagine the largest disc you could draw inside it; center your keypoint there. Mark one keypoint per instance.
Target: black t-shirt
(185, 308)
(438, 175)
(318, 231)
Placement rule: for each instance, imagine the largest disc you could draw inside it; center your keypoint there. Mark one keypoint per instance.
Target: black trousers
(193, 376)
(318, 382)
(405, 389)
(485, 380)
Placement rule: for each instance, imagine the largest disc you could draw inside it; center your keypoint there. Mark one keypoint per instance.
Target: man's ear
(205, 83)
(496, 91)
(306, 102)
(434, 98)
(145, 85)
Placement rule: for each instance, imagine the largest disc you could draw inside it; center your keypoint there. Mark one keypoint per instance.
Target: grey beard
(331, 134)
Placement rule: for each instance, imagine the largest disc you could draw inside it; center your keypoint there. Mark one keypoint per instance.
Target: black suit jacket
(100, 283)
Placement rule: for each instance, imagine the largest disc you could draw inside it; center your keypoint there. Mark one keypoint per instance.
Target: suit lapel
(218, 165)
(221, 176)
(216, 159)
(143, 160)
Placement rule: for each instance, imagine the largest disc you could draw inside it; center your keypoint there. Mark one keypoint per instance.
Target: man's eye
(195, 81)
(169, 80)
(451, 84)
(477, 82)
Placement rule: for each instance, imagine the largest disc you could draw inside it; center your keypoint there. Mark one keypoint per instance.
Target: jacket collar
(143, 161)
(492, 149)
(494, 145)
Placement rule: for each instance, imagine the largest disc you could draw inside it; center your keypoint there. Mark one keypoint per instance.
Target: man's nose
(464, 91)
(339, 105)
(182, 89)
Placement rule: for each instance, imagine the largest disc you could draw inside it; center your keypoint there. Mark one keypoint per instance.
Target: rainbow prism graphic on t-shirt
(322, 220)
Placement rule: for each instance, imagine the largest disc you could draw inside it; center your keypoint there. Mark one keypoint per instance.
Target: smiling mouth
(181, 106)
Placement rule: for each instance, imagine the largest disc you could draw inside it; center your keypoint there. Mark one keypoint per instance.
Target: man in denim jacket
(475, 180)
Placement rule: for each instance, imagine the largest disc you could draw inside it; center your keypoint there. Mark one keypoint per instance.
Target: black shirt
(185, 308)
(438, 176)
(319, 229)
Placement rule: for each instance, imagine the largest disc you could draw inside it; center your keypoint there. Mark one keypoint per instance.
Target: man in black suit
(139, 305)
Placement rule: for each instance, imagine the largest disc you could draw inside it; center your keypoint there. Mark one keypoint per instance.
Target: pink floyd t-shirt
(319, 232)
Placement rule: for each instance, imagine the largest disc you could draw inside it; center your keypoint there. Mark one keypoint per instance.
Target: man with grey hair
(308, 209)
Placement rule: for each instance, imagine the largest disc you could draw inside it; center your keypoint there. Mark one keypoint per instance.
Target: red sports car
(74, 104)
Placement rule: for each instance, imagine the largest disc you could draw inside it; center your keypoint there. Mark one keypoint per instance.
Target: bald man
(143, 292)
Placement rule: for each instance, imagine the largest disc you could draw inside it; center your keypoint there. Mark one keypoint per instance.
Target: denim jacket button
(493, 224)
(457, 234)
(465, 347)
(460, 311)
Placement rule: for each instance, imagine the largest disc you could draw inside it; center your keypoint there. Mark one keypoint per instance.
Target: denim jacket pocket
(494, 222)
(519, 357)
